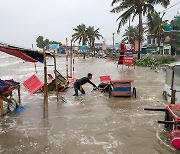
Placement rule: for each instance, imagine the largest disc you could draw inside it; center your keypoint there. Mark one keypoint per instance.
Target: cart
(172, 85)
(116, 87)
(6, 95)
(172, 111)
(171, 122)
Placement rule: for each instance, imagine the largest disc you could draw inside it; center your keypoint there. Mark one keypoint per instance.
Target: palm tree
(135, 7)
(92, 35)
(80, 34)
(130, 35)
(156, 26)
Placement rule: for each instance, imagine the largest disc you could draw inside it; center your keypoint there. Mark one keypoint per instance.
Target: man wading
(78, 84)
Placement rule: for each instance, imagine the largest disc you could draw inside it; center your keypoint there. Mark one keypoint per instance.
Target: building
(170, 40)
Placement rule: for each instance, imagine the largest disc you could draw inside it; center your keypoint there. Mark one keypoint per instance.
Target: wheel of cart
(164, 95)
(12, 104)
(110, 90)
(134, 92)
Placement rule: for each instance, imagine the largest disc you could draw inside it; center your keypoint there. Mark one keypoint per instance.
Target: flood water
(93, 123)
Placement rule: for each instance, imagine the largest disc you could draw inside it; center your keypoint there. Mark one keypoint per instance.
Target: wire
(173, 10)
(171, 7)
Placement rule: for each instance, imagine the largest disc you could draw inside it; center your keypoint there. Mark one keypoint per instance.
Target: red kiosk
(126, 55)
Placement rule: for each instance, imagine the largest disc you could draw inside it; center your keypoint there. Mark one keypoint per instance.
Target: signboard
(54, 46)
(128, 53)
(83, 48)
(116, 46)
(128, 47)
(128, 60)
(122, 47)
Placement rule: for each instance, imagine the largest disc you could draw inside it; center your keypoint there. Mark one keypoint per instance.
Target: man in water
(78, 84)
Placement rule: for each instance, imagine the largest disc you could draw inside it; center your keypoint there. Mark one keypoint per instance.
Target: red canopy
(17, 53)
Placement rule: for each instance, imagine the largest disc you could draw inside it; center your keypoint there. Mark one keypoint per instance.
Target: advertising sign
(128, 60)
(128, 53)
(83, 48)
(116, 46)
(54, 46)
(128, 47)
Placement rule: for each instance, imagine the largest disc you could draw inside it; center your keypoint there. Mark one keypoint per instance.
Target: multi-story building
(170, 40)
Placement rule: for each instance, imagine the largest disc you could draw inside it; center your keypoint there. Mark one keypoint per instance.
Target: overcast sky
(22, 21)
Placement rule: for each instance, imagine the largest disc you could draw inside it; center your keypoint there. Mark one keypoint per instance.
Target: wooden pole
(19, 95)
(71, 60)
(173, 92)
(55, 72)
(45, 111)
(73, 65)
(1, 108)
(113, 42)
(66, 59)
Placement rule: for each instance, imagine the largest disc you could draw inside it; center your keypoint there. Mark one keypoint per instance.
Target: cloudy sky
(22, 21)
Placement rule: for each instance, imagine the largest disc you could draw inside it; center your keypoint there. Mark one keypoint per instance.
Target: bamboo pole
(45, 111)
(71, 54)
(66, 59)
(55, 72)
(73, 65)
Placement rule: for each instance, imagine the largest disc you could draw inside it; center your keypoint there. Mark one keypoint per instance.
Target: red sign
(128, 60)
(122, 47)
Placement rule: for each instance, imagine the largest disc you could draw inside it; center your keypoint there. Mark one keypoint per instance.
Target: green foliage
(86, 35)
(155, 24)
(41, 43)
(129, 8)
(80, 34)
(166, 59)
(44, 43)
(153, 63)
(147, 62)
(130, 35)
(93, 34)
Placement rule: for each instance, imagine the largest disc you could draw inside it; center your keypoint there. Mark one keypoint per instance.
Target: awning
(22, 53)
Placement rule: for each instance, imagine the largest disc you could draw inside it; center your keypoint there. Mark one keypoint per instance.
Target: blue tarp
(6, 84)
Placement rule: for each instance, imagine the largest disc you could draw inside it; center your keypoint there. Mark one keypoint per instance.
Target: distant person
(78, 84)
(84, 56)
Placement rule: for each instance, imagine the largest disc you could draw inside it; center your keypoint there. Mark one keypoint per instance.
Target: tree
(135, 7)
(41, 43)
(93, 34)
(80, 34)
(156, 26)
(130, 35)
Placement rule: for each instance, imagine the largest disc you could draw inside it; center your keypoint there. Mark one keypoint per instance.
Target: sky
(22, 21)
